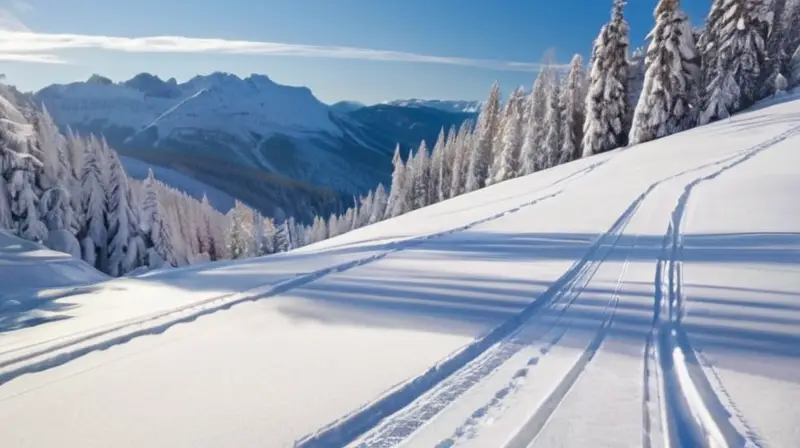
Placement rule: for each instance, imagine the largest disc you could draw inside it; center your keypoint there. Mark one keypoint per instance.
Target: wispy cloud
(43, 47)
(41, 58)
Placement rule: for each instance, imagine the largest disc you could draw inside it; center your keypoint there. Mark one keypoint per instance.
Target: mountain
(444, 105)
(644, 296)
(276, 147)
(390, 124)
(344, 107)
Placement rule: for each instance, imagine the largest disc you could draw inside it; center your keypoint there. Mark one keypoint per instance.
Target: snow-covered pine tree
(269, 244)
(551, 149)
(122, 222)
(240, 236)
(5, 195)
(794, 66)
(379, 203)
(506, 165)
(333, 228)
(155, 225)
(319, 230)
(397, 204)
(436, 170)
(667, 103)
(775, 62)
(733, 50)
(535, 128)
(445, 177)
(486, 133)
(421, 177)
(791, 32)
(573, 98)
(607, 111)
(94, 235)
(25, 199)
(461, 149)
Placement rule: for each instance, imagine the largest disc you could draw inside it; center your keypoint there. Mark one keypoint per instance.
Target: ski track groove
(68, 349)
(450, 389)
(352, 426)
(695, 415)
(538, 421)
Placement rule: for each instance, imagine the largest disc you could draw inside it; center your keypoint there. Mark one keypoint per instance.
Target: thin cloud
(40, 58)
(30, 43)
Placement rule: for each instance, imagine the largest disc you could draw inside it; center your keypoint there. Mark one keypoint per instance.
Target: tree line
(71, 193)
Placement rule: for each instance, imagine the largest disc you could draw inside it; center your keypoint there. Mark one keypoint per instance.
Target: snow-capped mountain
(344, 107)
(445, 105)
(221, 119)
(247, 137)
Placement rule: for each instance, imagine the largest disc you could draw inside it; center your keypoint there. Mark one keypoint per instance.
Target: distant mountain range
(443, 105)
(276, 147)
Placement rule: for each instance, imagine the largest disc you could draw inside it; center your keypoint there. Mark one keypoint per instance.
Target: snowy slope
(646, 297)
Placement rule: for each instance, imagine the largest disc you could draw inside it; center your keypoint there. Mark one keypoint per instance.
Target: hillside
(645, 296)
(297, 156)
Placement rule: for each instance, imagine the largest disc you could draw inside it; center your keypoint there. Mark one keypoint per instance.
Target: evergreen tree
(156, 227)
(506, 165)
(25, 201)
(436, 171)
(607, 110)
(379, 204)
(461, 148)
(122, 222)
(776, 56)
(397, 194)
(445, 178)
(733, 50)
(673, 72)
(486, 132)
(5, 196)
(551, 149)
(239, 238)
(790, 22)
(573, 98)
(795, 69)
(94, 234)
(421, 175)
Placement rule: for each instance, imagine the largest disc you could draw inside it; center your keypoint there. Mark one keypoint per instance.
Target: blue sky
(471, 30)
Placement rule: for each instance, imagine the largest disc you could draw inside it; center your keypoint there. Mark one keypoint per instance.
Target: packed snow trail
(393, 430)
(277, 372)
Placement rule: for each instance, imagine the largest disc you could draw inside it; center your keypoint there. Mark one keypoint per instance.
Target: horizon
(395, 50)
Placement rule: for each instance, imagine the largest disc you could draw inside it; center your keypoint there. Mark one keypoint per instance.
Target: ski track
(566, 289)
(690, 411)
(68, 348)
(349, 428)
(341, 432)
(352, 426)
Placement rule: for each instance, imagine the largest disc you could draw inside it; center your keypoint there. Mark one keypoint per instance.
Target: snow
(217, 101)
(645, 296)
